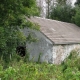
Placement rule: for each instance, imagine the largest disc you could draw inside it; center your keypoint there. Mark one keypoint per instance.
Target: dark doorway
(21, 50)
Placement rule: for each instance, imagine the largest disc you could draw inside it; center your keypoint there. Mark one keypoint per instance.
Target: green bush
(25, 70)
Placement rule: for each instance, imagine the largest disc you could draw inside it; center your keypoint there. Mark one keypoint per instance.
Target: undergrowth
(20, 69)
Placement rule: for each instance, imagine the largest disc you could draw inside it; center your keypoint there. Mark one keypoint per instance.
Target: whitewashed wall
(43, 46)
(50, 53)
(60, 52)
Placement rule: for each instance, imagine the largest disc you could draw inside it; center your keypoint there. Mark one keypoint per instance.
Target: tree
(62, 13)
(13, 15)
(77, 2)
(76, 17)
(48, 8)
(61, 2)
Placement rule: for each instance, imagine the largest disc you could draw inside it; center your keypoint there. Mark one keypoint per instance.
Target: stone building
(56, 40)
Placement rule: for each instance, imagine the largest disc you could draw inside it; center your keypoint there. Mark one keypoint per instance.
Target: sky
(73, 1)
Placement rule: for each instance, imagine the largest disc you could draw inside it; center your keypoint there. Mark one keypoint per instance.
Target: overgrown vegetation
(14, 16)
(20, 69)
(15, 67)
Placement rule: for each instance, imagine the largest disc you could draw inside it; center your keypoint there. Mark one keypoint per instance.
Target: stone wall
(45, 49)
(60, 52)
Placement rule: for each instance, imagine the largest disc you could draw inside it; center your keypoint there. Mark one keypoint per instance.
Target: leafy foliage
(61, 2)
(65, 12)
(48, 8)
(13, 15)
(62, 13)
(76, 17)
(77, 2)
(20, 70)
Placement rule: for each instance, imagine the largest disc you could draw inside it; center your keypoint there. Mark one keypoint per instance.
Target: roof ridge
(52, 20)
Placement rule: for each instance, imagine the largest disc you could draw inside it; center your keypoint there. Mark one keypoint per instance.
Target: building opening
(21, 50)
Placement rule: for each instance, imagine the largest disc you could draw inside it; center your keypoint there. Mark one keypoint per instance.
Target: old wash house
(56, 40)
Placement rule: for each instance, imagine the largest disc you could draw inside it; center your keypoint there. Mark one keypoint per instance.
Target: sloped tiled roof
(58, 32)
